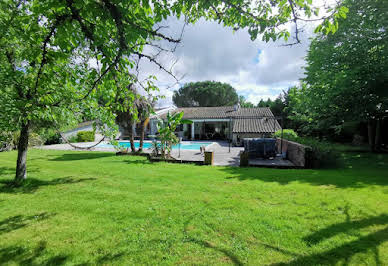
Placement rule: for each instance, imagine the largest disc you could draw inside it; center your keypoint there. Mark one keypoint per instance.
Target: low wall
(298, 154)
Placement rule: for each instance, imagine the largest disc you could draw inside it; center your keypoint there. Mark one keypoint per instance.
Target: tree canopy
(59, 56)
(346, 75)
(205, 93)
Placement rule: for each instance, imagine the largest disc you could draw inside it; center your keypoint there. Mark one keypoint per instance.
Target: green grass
(98, 208)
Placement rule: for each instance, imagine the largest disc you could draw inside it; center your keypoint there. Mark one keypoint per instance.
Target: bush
(288, 134)
(323, 153)
(85, 136)
(6, 141)
(53, 139)
(12, 140)
(50, 136)
(72, 139)
(35, 140)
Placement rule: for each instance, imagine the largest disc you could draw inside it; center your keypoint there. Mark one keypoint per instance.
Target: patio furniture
(260, 147)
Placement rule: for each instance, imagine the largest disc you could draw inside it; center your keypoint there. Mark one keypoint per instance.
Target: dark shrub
(54, 138)
(85, 136)
(322, 153)
(6, 141)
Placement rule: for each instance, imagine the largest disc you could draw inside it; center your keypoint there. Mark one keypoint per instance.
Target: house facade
(222, 123)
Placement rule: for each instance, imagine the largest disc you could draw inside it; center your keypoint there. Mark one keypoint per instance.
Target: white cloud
(209, 51)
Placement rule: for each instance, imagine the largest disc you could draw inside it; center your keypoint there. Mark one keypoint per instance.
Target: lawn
(98, 208)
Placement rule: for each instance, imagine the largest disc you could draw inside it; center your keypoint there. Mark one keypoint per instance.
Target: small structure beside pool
(228, 123)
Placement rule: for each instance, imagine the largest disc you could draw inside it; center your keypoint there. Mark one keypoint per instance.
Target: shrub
(35, 140)
(85, 136)
(6, 141)
(323, 153)
(12, 140)
(288, 134)
(50, 136)
(53, 139)
(72, 139)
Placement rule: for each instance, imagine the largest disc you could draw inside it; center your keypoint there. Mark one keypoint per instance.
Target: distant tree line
(344, 95)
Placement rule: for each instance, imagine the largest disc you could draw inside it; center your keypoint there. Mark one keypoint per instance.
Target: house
(214, 123)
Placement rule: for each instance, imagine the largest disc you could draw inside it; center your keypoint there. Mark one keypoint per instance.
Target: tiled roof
(221, 112)
(245, 120)
(254, 125)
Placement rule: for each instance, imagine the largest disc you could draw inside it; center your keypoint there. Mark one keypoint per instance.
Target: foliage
(323, 153)
(35, 140)
(166, 130)
(346, 75)
(131, 108)
(244, 103)
(155, 148)
(6, 141)
(85, 136)
(58, 57)
(54, 138)
(188, 214)
(205, 93)
(73, 139)
(10, 140)
(277, 106)
(288, 134)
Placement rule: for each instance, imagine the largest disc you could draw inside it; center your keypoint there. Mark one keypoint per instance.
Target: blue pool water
(147, 145)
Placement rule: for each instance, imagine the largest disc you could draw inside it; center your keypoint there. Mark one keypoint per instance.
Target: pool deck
(223, 156)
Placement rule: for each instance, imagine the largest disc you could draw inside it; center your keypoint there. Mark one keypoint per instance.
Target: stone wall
(297, 153)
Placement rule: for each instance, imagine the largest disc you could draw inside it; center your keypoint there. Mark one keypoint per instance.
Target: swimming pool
(187, 145)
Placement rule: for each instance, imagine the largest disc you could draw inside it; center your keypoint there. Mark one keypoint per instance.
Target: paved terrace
(222, 155)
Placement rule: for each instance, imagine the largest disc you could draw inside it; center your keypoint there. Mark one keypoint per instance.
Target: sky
(209, 51)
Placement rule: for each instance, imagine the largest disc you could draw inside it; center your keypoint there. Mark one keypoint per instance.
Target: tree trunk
(371, 134)
(21, 165)
(131, 138)
(142, 126)
(378, 135)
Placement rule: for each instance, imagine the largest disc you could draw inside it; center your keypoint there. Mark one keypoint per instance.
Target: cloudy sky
(209, 51)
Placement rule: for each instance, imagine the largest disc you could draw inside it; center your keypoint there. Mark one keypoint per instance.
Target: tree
(49, 52)
(243, 102)
(57, 56)
(205, 93)
(145, 108)
(126, 112)
(277, 106)
(347, 72)
(166, 129)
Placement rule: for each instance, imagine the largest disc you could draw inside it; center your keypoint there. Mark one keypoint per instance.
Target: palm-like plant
(166, 129)
(144, 108)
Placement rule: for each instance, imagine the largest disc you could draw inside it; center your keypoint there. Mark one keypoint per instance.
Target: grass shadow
(349, 249)
(19, 221)
(227, 253)
(233, 258)
(109, 258)
(81, 156)
(345, 251)
(335, 229)
(360, 171)
(23, 256)
(30, 185)
(4, 171)
(137, 161)
(7, 170)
